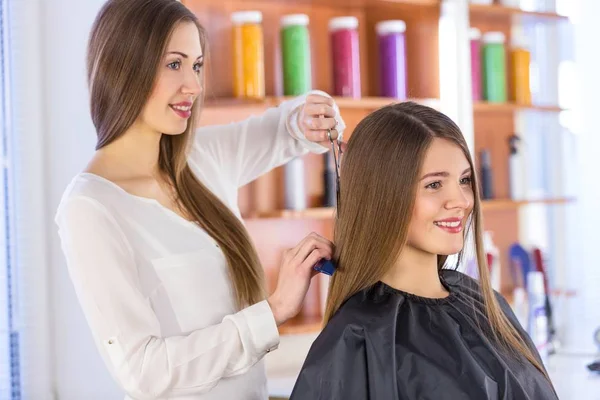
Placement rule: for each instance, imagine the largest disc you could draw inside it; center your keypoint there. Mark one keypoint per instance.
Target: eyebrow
(185, 55)
(443, 174)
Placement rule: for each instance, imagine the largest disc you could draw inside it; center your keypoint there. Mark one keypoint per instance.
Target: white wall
(26, 204)
(586, 309)
(70, 139)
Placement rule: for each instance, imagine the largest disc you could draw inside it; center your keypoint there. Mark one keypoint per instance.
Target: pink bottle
(475, 38)
(345, 56)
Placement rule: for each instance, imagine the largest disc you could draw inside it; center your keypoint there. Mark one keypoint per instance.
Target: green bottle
(295, 49)
(494, 67)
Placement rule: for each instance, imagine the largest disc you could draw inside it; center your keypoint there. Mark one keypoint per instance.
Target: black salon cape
(385, 344)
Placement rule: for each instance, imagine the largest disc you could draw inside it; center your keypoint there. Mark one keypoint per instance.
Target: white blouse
(154, 287)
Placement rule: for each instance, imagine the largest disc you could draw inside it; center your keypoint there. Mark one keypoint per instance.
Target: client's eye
(434, 185)
(174, 65)
(466, 180)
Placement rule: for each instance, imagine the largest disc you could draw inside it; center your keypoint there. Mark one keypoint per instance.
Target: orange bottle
(520, 59)
(248, 55)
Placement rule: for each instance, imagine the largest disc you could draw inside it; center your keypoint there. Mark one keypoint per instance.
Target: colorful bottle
(392, 58)
(345, 56)
(248, 55)
(494, 67)
(295, 51)
(475, 38)
(520, 59)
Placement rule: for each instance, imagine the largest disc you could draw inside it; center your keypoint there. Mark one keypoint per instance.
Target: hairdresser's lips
(450, 225)
(183, 109)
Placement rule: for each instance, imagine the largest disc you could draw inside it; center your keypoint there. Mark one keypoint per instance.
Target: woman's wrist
(276, 309)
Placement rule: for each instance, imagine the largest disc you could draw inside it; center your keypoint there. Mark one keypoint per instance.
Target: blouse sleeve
(248, 149)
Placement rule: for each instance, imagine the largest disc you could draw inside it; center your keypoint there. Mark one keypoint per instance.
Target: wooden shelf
(329, 212)
(364, 103)
(223, 110)
(484, 106)
(373, 103)
(301, 325)
(309, 213)
(409, 2)
(502, 204)
(224, 102)
(363, 3)
(498, 10)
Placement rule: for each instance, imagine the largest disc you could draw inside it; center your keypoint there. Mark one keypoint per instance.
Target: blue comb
(325, 266)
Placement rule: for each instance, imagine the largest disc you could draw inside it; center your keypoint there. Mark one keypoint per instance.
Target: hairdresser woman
(163, 267)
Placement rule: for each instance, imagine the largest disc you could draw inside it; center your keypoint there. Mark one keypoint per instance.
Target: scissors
(327, 267)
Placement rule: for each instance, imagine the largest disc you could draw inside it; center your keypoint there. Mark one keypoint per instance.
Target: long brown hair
(381, 169)
(126, 46)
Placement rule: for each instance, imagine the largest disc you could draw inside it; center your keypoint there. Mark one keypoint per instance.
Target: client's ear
(344, 145)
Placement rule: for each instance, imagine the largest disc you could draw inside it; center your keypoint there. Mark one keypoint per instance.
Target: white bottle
(490, 247)
(295, 187)
(511, 3)
(538, 319)
(520, 306)
(516, 169)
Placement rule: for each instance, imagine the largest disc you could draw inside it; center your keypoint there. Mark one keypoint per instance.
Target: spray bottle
(538, 319)
(493, 254)
(515, 169)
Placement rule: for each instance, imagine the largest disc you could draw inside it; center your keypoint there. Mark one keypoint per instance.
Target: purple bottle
(475, 38)
(343, 33)
(392, 58)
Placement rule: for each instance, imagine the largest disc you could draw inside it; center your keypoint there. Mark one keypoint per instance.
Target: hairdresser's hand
(317, 117)
(295, 274)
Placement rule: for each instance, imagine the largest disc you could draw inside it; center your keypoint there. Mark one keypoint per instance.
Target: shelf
(502, 204)
(300, 325)
(329, 212)
(365, 103)
(309, 213)
(484, 106)
(373, 103)
(498, 10)
(364, 3)
(409, 2)
(233, 102)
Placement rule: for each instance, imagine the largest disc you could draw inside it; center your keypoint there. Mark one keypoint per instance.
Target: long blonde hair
(378, 187)
(126, 45)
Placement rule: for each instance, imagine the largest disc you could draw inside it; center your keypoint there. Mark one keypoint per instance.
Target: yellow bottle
(520, 59)
(248, 55)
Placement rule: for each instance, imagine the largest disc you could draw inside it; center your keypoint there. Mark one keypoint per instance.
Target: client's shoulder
(367, 309)
(459, 280)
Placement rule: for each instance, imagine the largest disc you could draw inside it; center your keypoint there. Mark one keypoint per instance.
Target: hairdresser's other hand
(317, 117)
(295, 274)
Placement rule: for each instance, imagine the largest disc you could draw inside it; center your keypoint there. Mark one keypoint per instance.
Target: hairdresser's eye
(466, 180)
(198, 67)
(434, 185)
(174, 65)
